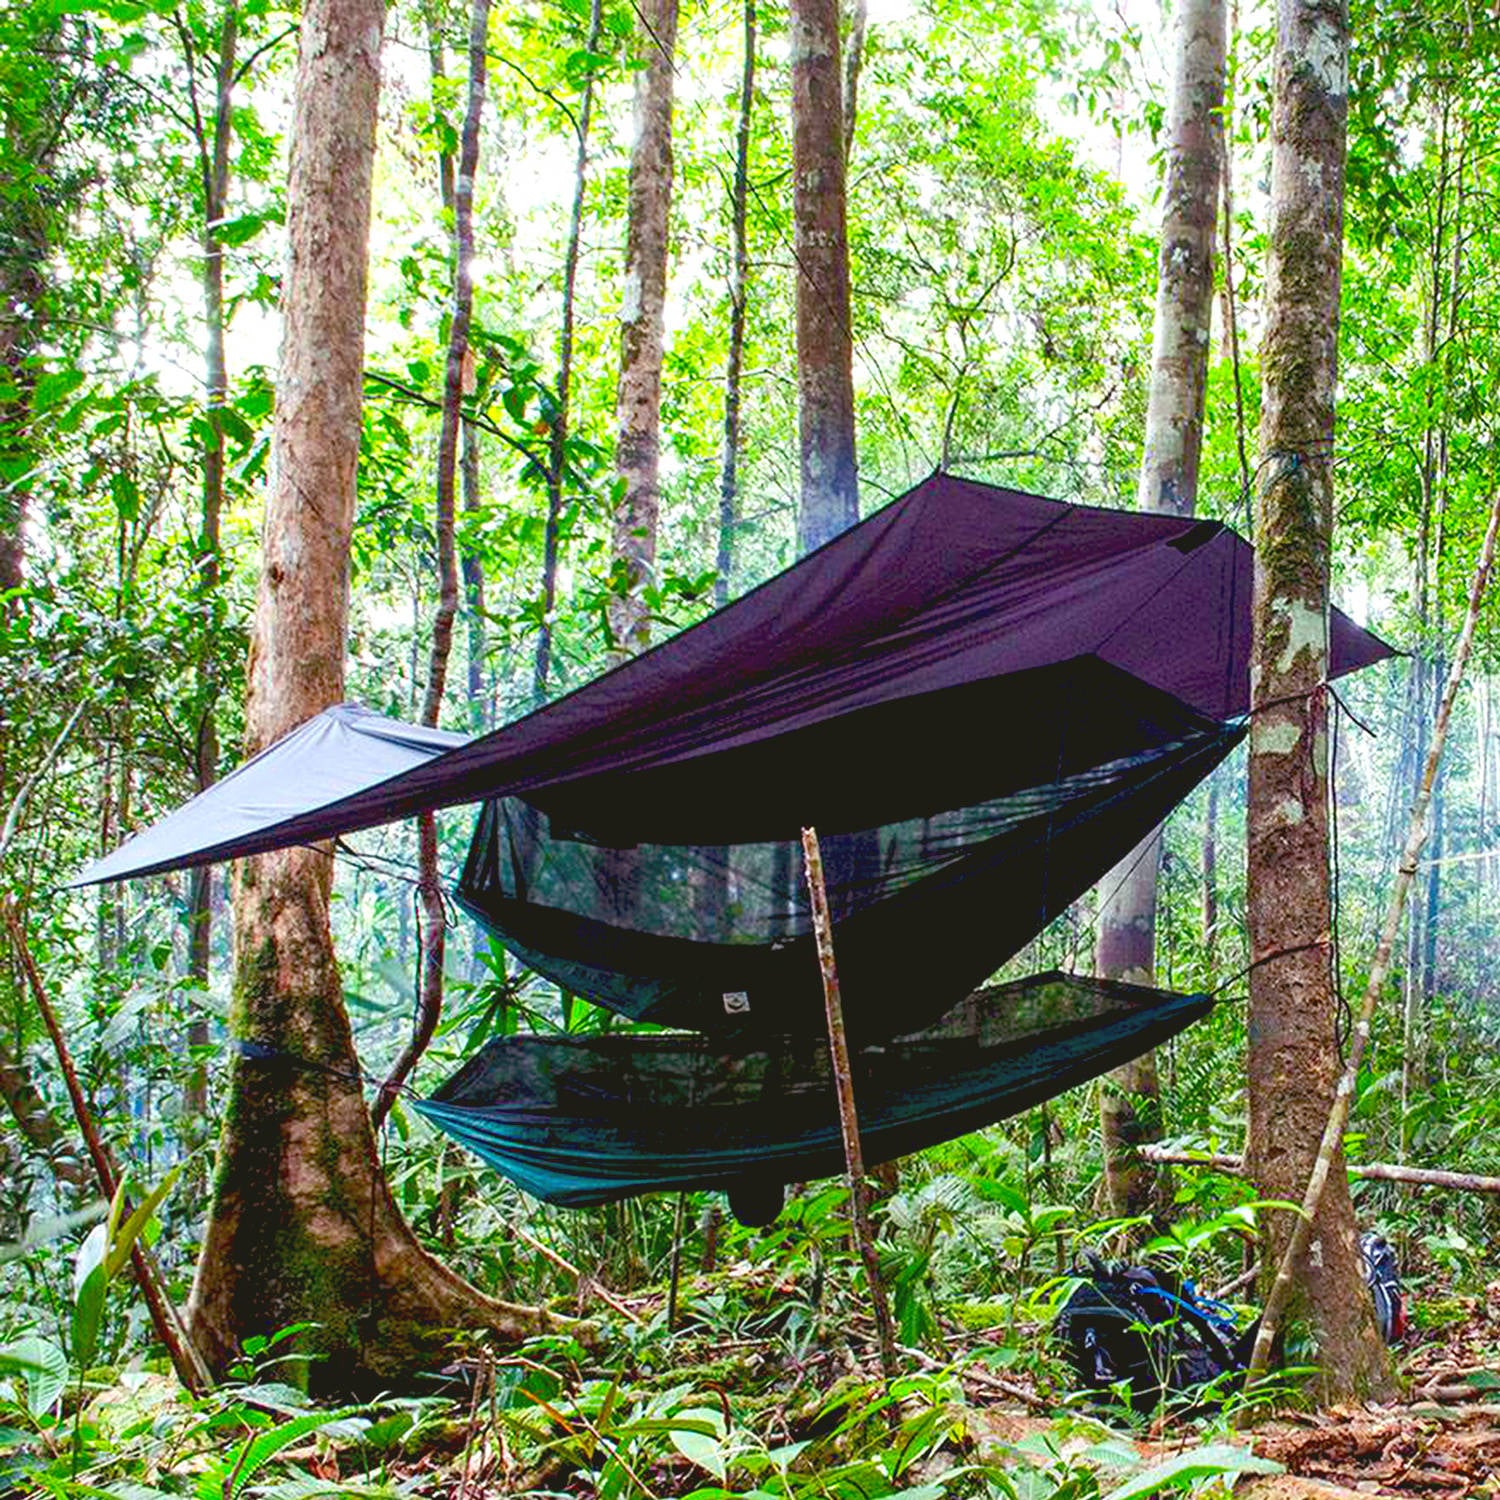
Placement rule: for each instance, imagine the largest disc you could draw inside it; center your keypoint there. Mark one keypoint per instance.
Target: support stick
(843, 1082)
(191, 1369)
(1416, 836)
(678, 1220)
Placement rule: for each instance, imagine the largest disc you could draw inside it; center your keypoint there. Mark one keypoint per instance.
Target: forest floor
(1442, 1439)
(761, 1394)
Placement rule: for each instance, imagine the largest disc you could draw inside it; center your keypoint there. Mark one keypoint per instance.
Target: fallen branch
(1370, 1171)
(1406, 869)
(586, 1283)
(980, 1378)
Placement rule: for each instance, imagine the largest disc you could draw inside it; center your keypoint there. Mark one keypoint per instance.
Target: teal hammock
(586, 1120)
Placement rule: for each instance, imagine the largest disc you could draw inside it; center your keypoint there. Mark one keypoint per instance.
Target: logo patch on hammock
(736, 1003)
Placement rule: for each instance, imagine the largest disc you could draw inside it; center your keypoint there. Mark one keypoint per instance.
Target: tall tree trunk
(825, 344)
(1293, 1054)
(739, 276)
(557, 436)
(302, 1227)
(477, 650)
(1130, 1101)
(643, 303)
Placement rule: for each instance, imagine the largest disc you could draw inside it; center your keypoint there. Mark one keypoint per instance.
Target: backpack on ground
(1144, 1327)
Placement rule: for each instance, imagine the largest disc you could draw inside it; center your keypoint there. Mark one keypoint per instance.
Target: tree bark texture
(1330, 1149)
(302, 1227)
(739, 277)
(642, 309)
(1293, 1061)
(825, 344)
(456, 364)
(1130, 1100)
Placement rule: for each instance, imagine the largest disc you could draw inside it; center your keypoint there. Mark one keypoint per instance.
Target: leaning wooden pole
(1416, 836)
(843, 1083)
(186, 1359)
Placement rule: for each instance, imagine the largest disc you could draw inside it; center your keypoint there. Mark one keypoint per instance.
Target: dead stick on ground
(191, 1369)
(843, 1083)
(981, 1378)
(1368, 1171)
(601, 1291)
(1416, 836)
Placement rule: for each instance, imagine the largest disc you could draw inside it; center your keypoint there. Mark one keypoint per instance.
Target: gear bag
(1145, 1328)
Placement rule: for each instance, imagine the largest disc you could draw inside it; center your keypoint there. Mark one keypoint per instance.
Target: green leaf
(89, 1285)
(122, 1240)
(259, 1450)
(42, 1365)
(1199, 1463)
(52, 390)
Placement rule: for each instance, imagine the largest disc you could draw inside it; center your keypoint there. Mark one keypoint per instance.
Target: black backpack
(1144, 1327)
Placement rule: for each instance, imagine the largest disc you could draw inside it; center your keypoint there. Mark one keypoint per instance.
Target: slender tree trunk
(215, 138)
(557, 436)
(825, 344)
(433, 939)
(302, 1227)
(1293, 1062)
(854, 61)
(473, 575)
(739, 276)
(643, 304)
(1130, 1101)
(471, 568)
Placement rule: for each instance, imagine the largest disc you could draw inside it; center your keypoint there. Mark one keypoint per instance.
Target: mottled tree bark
(1130, 1101)
(825, 345)
(739, 276)
(642, 308)
(33, 1117)
(1293, 1057)
(302, 1227)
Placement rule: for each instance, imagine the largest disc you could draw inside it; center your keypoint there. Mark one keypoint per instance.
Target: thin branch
(18, 806)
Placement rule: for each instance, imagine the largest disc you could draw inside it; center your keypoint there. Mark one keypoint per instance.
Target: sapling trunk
(189, 1364)
(434, 915)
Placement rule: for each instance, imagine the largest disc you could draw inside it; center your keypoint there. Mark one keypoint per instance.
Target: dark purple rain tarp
(900, 670)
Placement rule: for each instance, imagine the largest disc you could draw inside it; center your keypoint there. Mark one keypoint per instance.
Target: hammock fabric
(579, 1121)
(719, 938)
(981, 699)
